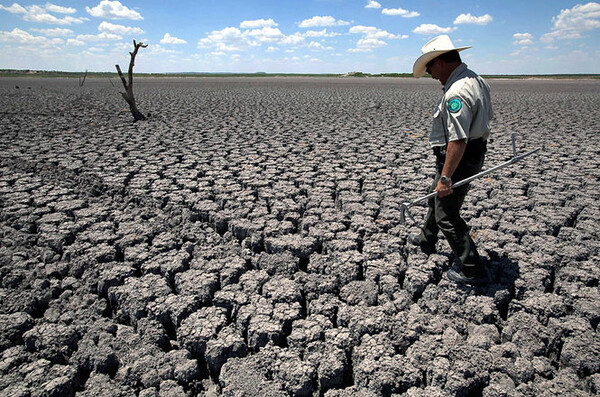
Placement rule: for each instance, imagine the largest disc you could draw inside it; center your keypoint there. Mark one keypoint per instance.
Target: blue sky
(293, 36)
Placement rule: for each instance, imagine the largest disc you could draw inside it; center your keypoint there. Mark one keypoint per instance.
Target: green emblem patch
(454, 105)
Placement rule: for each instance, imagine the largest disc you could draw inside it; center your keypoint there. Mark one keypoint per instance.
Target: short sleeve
(458, 119)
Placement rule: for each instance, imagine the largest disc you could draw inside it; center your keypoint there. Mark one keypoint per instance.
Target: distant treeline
(55, 74)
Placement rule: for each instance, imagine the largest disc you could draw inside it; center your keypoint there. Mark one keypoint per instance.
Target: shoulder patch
(454, 105)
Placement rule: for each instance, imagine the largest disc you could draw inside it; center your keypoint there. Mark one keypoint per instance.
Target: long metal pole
(479, 175)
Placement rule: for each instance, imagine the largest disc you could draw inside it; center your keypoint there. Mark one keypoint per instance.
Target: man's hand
(454, 153)
(443, 189)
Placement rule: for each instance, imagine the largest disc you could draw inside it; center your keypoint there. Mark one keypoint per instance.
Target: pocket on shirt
(438, 133)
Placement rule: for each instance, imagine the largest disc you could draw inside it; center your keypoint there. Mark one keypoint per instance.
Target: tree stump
(128, 94)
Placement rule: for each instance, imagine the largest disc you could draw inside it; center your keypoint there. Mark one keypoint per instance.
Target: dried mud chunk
(12, 327)
(262, 330)
(137, 254)
(200, 327)
(530, 337)
(242, 228)
(229, 269)
(565, 383)
(393, 265)
(361, 320)
(249, 377)
(470, 370)
(483, 336)
(380, 245)
(281, 289)
(131, 299)
(300, 247)
(232, 297)
(170, 388)
(360, 293)
(228, 344)
(309, 330)
(542, 305)
(296, 375)
(582, 353)
(314, 285)
(10, 359)
(168, 264)
(429, 391)
(113, 275)
(421, 272)
(165, 241)
(185, 369)
(585, 301)
(172, 309)
(44, 379)
(133, 233)
(331, 363)
(30, 301)
(382, 371)
(284, 263)
(326, 305)
(101, 385)
(197, 283)
(152, 332)
(96, 353)
(253, 280)
(352, 391)
(345, 266)
(54, 342)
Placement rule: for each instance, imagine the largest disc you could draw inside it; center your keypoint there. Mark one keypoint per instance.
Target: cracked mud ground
(246, 241)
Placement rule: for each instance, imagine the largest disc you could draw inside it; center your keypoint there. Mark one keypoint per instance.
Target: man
(458, 138)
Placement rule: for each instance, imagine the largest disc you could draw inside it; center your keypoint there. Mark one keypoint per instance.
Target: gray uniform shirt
(465, 110)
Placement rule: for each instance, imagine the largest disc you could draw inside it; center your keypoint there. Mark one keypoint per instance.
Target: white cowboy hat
(432, 49)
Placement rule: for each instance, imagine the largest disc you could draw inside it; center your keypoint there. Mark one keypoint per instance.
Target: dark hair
(450, 57)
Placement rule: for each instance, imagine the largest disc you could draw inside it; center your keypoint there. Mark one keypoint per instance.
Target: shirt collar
(454, 75)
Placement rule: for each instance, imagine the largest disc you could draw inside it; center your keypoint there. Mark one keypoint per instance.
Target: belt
(474, 145)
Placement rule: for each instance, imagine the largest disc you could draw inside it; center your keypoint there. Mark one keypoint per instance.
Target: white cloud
(233, 39)
(75, 42)
(14, 9)
(399, 11)
(40, 14)
(366, 45)
(156, 49)
(372, 32)
(227, 39)
(258, 23)
(372, 4)
(430, 29)
(22, 37)
(473, 20)
(103, 36)
(292, 39)
(523, 39)
(168, 39)
(372, 38)
(571, 23)
(118, 29)
(60, 10)
(113, 10)
(266, 34)
(320, 33)
(316, 46)
(320, 21)
(56, 32)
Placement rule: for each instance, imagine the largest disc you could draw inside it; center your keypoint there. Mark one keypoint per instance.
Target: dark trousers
(444, 213)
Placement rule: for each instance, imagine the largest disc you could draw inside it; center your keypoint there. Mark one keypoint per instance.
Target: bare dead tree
(128, 94)
(82, 81)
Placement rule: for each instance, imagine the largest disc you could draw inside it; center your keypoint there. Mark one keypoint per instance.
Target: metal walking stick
(404, 206)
